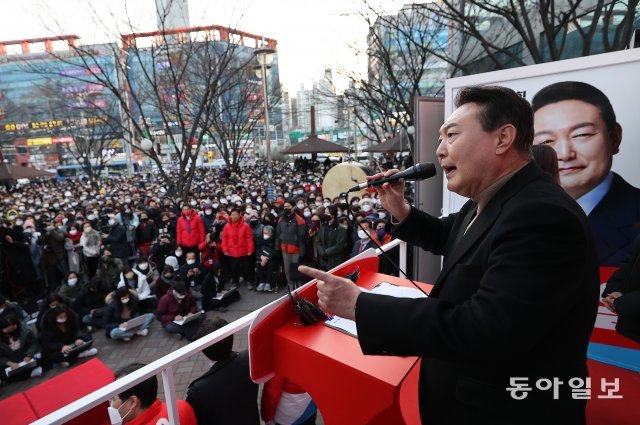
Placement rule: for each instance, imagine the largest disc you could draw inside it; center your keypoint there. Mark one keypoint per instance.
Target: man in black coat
(225, 395)
(516, 299)
(116, 240)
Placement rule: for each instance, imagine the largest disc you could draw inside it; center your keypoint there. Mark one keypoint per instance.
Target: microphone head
(425, 170)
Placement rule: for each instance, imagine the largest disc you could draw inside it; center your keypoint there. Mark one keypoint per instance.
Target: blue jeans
(117, 333)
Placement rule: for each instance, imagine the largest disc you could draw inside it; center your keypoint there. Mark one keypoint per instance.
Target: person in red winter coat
(190, 230)
(237, 245)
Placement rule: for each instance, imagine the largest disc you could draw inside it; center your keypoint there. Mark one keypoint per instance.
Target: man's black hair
(146, 391)
(576, 90)
(500, 106)
(221, 350)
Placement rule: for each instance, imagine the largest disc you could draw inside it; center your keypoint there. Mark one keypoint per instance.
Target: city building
(49, 98)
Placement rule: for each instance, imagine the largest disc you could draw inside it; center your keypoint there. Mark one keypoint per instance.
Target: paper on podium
(383, 288)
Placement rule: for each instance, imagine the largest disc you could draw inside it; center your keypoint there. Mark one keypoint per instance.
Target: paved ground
(116, 354)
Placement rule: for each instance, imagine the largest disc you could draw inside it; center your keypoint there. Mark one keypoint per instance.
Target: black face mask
(253, 223)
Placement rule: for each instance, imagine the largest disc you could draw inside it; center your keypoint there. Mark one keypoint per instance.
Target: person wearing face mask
(256, 230)
(265, 260)
(60, 331)
(73, 247)
(145, 235)
(365, 237)
(8, 308)
(208, 217)
(122, 305)
(190, 230)
(133, 279)
(192, 274)
(148, 269)
(139, 405)
(116, 240)
(70, 288)
(176, 304)
(18, 343)
(331, 241)
(90, 242)
(238, 246)
(54, 256)
(129, 220)
(290, 237)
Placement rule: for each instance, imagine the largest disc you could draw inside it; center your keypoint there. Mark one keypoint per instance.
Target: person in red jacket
(190, 230)
(139, 405)
(237, 245)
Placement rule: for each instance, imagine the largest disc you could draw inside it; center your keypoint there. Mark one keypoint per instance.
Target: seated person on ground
(122, 308)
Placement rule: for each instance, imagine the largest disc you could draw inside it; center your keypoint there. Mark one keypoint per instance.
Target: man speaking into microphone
(508, 321)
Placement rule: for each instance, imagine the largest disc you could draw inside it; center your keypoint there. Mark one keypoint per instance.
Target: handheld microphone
(422, 171)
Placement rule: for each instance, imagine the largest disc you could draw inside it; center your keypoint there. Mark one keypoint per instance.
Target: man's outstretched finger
(314, 273)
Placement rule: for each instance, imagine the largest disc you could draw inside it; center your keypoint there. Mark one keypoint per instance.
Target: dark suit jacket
(627, 280)
(226, 394)
(615, 222)
(517, 297)
(356, 247)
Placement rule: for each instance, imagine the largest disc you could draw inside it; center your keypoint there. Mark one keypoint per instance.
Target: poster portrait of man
(579, 122)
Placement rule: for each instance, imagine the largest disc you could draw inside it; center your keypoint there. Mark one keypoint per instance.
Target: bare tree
(88, 124)
(171, 87)
(404, 52)
(480, 36)
(490, 35)
(238, 112)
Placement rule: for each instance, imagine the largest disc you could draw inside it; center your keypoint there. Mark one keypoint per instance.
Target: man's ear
(616, 137)
(506, 136)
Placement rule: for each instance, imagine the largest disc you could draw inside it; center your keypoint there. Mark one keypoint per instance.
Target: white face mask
(61, 320)
(366, 208)
(191, 262)
(307, 213)
(362, 234)
(266, 237)
(72, 282)
(300, 206)
(382, 215)
(178, 253)
(114, 415)
(178, 296)
(73, 232)
(112, 222)
(216, 205)
(143, 266)
(124, 300)
(193, 203)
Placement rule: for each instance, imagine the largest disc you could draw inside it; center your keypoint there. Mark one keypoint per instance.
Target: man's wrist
(398, 218)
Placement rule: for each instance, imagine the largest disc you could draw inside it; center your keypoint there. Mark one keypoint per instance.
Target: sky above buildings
(311, 34)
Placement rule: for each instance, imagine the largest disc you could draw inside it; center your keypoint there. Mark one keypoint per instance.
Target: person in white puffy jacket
(137, 281)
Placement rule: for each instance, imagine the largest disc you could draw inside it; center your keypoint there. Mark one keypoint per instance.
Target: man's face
(578, 134)
(466, 152)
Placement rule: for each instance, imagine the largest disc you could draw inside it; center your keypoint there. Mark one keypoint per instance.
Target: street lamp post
(264, 56)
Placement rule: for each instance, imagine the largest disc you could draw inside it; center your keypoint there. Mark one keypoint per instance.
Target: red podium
(347, 386)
